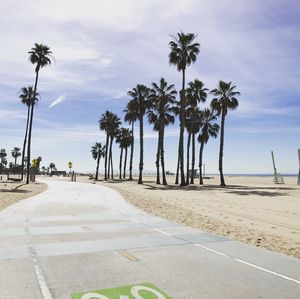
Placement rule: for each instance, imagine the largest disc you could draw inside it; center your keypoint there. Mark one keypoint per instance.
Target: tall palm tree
(124, 138)
(208, 129)
(104, 125)
(139, 105)
(15, 154)
(161, 99)
(26, 97)
(183, 53)
(98, 151)
(114, 123)
(130, 117)
(196, 93)
(41, 56)
(224, 100)
(192, 123)
(176, 111)
(128, 141)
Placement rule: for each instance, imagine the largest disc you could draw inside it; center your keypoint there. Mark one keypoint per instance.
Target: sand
(11, 193)
(249, 209)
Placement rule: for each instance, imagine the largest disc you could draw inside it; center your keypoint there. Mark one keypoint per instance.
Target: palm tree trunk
(131, 153)
(193, 158)
(106, 157)
(125, 162)
(221, 149)
(120, 165)
(24, 143)
(182, 125)
(188, 159)
(162, 156)
(98, 162)
(177, 169)
(111, 159)
(157, 159)
(200, 163)
(141, 165)
(30, 125)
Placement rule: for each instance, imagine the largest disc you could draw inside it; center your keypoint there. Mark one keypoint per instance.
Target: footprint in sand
(240, 219)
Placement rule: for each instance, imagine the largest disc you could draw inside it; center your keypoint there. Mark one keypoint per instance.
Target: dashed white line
(238, 260)
(268, 271)
(160, 231)
(42, 282)
(39, 274)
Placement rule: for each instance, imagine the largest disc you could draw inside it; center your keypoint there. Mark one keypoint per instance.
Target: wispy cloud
(58, 101)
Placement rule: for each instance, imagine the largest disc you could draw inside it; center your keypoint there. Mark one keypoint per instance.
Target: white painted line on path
(39, 274)
(42, 282)
(268, 271)
(238, 260)
(162, 232)
(249, 264)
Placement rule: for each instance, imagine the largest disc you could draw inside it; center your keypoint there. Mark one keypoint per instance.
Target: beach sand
(11, 193)
(249, 209)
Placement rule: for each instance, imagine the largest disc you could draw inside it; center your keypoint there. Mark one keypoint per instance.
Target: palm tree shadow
(14, 191)
(234, 189)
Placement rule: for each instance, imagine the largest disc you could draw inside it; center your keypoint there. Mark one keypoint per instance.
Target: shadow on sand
(234, 189)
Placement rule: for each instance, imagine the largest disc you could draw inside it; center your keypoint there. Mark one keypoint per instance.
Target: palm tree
(124, 138)
(208, 129)
(183, 53)
(51, 166)
(176, 111)
(138, 105)
(127, 141)
(41, 56)
(26, 97)
(113, 126)
(161, 98)
(196, 93)
(15, 154)
(98, 151)
(224, 100)
(103, 125)
(192, 123)
(130, 117)
(3, 161)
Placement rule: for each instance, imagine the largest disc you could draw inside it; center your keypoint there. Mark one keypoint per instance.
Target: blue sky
(102, 49)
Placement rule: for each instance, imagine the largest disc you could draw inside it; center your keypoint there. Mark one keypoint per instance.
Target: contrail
(58, 100)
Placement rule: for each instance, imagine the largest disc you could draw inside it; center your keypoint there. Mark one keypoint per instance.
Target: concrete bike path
(78, 237)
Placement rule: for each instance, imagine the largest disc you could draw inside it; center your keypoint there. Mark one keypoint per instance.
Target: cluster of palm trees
(160, 105)
(110, 123)
(40, 56)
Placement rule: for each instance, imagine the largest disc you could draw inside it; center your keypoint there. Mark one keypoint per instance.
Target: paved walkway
(79, 237)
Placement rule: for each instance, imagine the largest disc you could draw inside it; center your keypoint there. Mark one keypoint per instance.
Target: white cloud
(58, 101)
